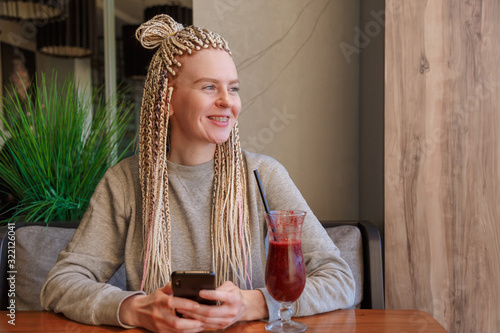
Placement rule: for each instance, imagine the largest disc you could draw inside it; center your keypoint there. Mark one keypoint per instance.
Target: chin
(218, 142)
(221, 138)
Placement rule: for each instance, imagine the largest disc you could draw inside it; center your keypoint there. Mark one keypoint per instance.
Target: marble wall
(299, 71)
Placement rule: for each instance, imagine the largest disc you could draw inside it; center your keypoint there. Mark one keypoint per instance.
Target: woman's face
(205, 102)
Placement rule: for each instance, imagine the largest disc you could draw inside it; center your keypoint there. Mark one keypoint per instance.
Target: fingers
(154, 312)
(226, 293)
(163, 299)
(234, 305)
(219, 316)
(164, 320)
(176, 324)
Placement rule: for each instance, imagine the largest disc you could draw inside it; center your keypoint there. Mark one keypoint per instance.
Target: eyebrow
(208, 79)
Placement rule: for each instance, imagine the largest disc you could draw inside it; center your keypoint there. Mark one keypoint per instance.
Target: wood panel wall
(442, 161)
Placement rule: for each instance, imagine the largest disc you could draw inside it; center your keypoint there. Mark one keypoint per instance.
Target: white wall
(299, 91)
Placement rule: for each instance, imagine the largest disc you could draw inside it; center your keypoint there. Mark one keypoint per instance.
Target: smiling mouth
(219, 118)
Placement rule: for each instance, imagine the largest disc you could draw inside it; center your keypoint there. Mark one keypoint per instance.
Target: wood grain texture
(341, 321)
(442, 160)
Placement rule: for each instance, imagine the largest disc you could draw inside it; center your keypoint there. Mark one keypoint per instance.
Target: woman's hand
(236, 305)
(154, 312)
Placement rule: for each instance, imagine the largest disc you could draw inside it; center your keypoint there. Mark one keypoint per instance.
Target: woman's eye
(235, 89)
(210, 87)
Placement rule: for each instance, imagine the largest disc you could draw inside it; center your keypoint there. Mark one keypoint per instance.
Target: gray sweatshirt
(110, 234)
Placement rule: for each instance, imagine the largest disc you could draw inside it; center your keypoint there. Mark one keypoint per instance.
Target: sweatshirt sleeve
(330, 284)
(76, 285)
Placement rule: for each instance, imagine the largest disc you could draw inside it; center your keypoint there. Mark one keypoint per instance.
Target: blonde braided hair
(230, 236)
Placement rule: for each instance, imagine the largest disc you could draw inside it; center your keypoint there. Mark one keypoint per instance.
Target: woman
(188, 202)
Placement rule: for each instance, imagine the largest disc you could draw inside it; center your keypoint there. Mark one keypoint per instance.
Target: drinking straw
(261, 189)
(264, 200)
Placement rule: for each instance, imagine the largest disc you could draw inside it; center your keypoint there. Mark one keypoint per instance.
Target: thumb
(167, 289)
(227, 286)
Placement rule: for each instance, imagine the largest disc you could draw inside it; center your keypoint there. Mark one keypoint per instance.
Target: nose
(224, 100)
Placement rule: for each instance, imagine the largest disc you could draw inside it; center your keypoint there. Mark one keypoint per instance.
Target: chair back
(360, 246)
(27, 253)
(33, 248)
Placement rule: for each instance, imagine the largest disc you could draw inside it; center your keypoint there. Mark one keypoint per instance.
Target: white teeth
(219, 118)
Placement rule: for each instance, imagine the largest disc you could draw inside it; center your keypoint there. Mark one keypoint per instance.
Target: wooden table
(340, 321)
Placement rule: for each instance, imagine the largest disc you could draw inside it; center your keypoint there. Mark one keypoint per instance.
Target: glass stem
(286, 311)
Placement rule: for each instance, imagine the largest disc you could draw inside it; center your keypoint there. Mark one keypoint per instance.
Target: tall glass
(285, 270)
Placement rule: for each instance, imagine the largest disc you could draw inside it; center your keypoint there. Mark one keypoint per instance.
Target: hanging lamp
(73, 34)
(31, 10)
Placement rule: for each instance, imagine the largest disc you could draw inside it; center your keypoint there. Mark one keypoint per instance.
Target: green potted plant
(54, 153)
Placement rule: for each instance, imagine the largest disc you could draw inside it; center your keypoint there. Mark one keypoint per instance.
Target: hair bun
(153, 32)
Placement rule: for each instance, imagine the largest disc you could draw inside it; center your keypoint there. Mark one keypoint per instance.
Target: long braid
(230, 235)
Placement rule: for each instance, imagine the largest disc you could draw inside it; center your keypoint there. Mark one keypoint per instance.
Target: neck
(191, 156)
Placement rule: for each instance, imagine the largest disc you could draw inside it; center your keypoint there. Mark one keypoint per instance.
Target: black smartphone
(187, 284)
